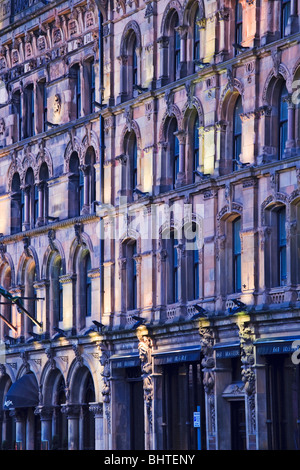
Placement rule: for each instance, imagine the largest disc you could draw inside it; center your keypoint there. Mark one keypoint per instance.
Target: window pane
(236, 236)
(196, 36)
(196, 273)
(238, 24)
(236, 228)
(134, 163)
(177, 50)
(285, 14)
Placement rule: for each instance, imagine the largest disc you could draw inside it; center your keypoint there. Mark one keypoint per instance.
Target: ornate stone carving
(145, 353)
(246, 334)
(56, 104)
(78, 354)
(208, 364)
(105, 374)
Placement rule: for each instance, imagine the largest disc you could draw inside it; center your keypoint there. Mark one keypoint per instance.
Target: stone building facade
(149, 186)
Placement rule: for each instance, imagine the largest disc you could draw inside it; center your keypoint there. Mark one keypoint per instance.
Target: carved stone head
(56, 104)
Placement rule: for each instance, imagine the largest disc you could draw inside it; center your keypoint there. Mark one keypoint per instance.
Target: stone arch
(7, 260)
(28, 161)
(272, 78)
(55, 249)
(74, 145)
(78, 372)
(44, 157)
(228, 212)
(85, 244)
(271, 201)
(173, 111)
(15, 167)
(28, 253)
(133, 126)
(172, 5)
(189, 107)
(231, 89)
(50, 378)
(90, 140)
(130, 235)
(188, 6)
(131, 26)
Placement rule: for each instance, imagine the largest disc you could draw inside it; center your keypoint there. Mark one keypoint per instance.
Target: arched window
(196, 37)
(83, 288)
(56, 293)
(236, 245)
(134, 164)
(87, 182)
(41, 196)
(6, 309)
(230, 257)
(30, 201)
(176, 42)
(275, 256)
(87, 286)
(129, 278)
(92, 87)
(281, 246)
(170, 45)
(173, 145)
(76, 87)
(29, 111)
(173, 269)
(89, 95)
(18, 111)
(237, 132)
(16, 212)
(134, 64)
(238, 24)
(130, 177)
(284, 16)
(283, 121)
(196, 153)
(130, 70)
(192, 234)
(75, 192)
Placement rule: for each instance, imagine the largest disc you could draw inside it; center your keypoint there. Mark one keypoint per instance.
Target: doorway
(238, 425)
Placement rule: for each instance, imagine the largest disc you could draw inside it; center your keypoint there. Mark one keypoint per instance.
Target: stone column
(163, 43)
(202, 24)
(26, 221)
(290, 143)
(246, 334)
(72, 412)
(41, 192)
(45, 413)
(145, 352)
(181, 136)
(86, 184)
(122, 165)
(123, 78)
(220, 161)
(208, 365)
(20, 428)
(104, 441)
(97, 410)
(223, 16)
(182, 30)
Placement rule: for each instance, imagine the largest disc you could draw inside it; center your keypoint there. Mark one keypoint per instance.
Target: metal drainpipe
(101, 139)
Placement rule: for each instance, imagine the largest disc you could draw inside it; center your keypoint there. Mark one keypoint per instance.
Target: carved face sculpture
(2, 126)
(56, 104)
